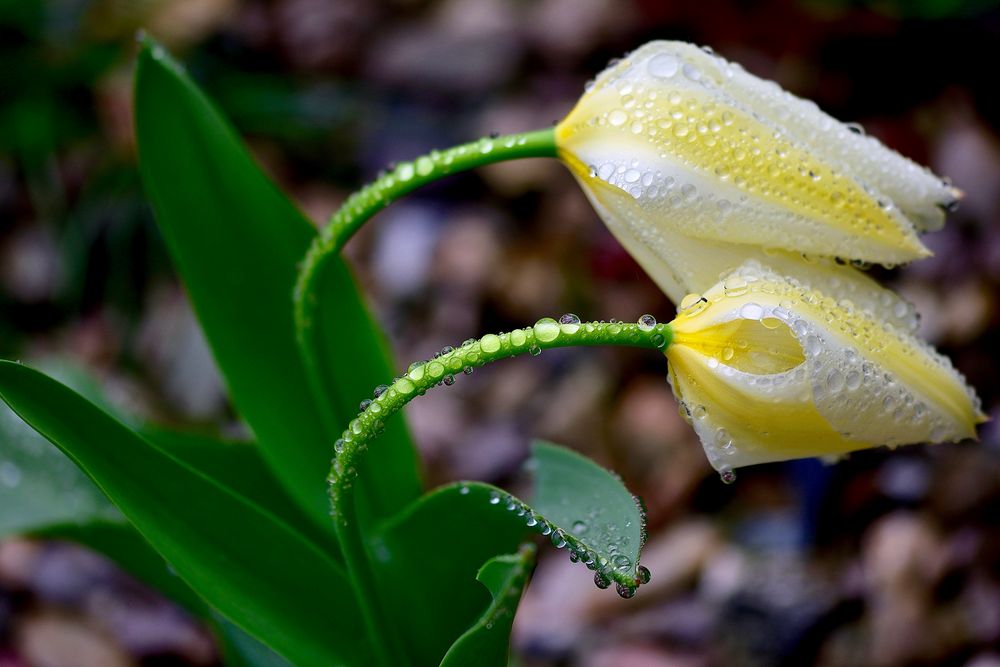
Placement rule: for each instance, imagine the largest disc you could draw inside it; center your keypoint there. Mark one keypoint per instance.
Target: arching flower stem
(421, 376)
(403, 179)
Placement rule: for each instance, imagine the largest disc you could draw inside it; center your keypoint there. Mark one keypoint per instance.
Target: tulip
(768, 369)
(693, 163)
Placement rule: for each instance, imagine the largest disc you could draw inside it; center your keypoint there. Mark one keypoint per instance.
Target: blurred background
(884, 559)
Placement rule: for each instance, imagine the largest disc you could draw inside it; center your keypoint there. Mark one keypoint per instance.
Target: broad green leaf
(236, 241)
(427, 557)
(39, 485)
(487, 643)
(426, 561)
(588, 507)
(239, 467)
(243, 561)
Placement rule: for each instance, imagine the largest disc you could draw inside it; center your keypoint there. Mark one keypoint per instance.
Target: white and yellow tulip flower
(692, 162)
(769, 369)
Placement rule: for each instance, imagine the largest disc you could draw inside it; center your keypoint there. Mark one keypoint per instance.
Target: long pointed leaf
(236, 241)
(247, 564)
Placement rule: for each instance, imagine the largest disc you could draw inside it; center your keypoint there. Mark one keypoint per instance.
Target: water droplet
(579, 527)
(364, 404)
(494, 498)
(485, 146)
(518, 337)
(379, 390)
(449, 379)
(647, 322)
(490, 343)
(534, 350)
(813, 346)
(624, 591)
(692, 304)
(404, 172)
(621, 562)
(601, 581)
(467, 370)
(751, 311)
(424, 166)
(664, 66)
(659, 341)
(727, 476)
(617, 117)
(558, 539)
(853, 380)
(463, 490)
(856, 128)
(643, 574)
(691, 72)
(735, 286)
(546, 330)
(569, 323)
(339, 445)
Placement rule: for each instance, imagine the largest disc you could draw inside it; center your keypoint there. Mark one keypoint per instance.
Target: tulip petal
(705, 164)
(745, 419)
(682, 265)
(867, 380)
(922, 196)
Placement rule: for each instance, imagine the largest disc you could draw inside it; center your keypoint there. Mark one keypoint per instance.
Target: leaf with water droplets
(487, 643)
(591, 511)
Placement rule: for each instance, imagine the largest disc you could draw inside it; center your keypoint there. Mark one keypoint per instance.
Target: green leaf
(487, 643)
(253, 568)
(39, 486)
(602, 523)
(239, 467)
(241, 650)
(427, 557)
(236, 241)
(426, 561)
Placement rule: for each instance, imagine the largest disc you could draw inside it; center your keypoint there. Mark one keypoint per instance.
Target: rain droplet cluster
(607, 561)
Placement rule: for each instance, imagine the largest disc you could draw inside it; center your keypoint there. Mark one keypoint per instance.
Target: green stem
(361, 206)
(354, 441)
(405, 178)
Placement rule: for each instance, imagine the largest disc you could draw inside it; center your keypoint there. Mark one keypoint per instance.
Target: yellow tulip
(768, 370)
(691, 162)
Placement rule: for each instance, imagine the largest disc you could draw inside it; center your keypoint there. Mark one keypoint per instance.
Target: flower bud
(769, 370)
(681, 151)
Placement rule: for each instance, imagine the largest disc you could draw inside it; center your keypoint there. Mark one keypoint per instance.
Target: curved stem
(405, 178)
(353, 443)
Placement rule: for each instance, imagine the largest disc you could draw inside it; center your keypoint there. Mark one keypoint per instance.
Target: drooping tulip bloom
(769, 370)
(691, 162)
